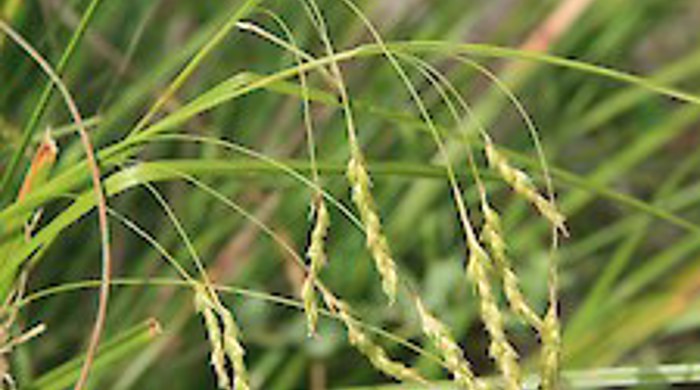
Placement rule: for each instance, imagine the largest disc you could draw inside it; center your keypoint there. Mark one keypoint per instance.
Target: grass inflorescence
(493, 178)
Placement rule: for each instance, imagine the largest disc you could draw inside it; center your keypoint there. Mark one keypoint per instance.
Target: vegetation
(349, 194)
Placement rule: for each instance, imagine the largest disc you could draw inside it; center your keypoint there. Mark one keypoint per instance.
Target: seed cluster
(317, 258)
(448, 347)
(376, 240)
(224, 336)
(492, 234)
(522, 185)
(500, 348)
(374, 353)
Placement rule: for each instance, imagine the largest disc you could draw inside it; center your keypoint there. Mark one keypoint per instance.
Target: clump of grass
(489, 268)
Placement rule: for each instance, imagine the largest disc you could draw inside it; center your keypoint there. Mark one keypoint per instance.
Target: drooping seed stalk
(500, 348)
(357, 173)
(492, 234)
(449, 349)
(217, 356)
(316, 251)
(376, 240)
(521, 183)
(376, 355)
(224, 338)
(317, 257)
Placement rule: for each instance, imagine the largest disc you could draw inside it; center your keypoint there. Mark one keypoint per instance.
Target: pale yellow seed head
(500, 348)
(376, 355)
(317, 259)
(551, 351)
(223, 335)
(234, 351)
(449, 349)
(376, 240)
(493, 236)
(217, 356)
(521, 183)
(308, 296)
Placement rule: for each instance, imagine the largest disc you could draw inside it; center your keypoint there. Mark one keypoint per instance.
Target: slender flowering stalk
(492, 234)
(376, 240)
(357, 172)
(234, 350)
(450, 350)
(224, 338)
(218, 356)
(551, 350)
(317, 257)
(550, 329)
(522, 185)
(500, 348)
(376, 355)
(316, 251)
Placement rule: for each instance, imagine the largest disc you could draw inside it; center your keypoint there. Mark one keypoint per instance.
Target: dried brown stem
(99, 195)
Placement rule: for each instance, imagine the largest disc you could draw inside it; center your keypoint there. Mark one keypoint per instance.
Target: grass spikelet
(317, 258)
(376, 241)
(448, 347)
(522, 185)
(234, 350)
(223, 335)
(500, 348)
(357, 171)
(551, 351)
(218, 356)
(492, 234)
(373, 352)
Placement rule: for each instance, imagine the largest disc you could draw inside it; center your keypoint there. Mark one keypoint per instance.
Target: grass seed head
(317, 259)
(217, 356)
(234, 350)
(376, 355)
(492, 234)
(551, 351)
(448, 347)
(500, 348)
(224, 339)
(523, 186)
(376, 241)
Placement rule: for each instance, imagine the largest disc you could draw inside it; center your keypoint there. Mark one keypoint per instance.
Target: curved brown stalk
(99, 195)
